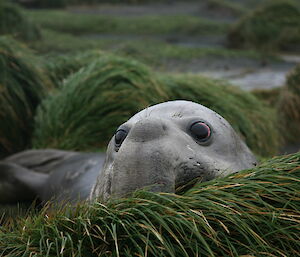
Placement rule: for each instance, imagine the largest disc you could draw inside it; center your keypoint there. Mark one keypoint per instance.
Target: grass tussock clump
(252, 119)
(250, 213)
(22, 86)
(60, 67)
(13, 22)
(93, 102)
(269, 96)
(289, 106)
(293, 80)
(272, 26)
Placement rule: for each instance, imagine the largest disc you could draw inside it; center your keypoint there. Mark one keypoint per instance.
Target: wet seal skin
(160, 148)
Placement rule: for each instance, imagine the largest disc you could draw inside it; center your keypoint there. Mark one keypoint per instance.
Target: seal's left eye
(200, 131)
(120, 136)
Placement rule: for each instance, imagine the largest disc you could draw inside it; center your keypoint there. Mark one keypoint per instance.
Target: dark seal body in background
(49, 174)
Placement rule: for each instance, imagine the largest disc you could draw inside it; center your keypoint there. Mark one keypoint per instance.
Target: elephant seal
(161, 148)
(168, 145)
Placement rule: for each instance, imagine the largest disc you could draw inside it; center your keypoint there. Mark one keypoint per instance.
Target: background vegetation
(288, 106)
(22, 86)
(273, 26)
(81, 80)
(14, 22)
(149, 25)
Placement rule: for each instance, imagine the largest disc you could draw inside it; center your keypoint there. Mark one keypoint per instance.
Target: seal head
(168, 145)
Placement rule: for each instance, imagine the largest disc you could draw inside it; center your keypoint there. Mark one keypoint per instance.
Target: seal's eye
(120, 136)
(200, 131)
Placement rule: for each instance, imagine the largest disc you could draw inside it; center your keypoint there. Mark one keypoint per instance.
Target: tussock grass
(274, 25)
(13, 22)
(22, 86)
(289, 106)
(80, 24)
(151, 51)
(269, 96)
(293, 80)
(93, 102)
(57, 43)
(60, 67)
(286, 101)
(160, 52)
(253, 212)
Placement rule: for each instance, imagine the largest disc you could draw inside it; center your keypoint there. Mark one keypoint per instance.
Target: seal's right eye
(120, 136)
(200, 131)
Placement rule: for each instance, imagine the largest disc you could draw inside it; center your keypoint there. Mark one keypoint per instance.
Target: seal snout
(147, 130)
(139, 166)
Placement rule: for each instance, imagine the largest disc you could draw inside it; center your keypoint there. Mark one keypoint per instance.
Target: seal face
(168, 145)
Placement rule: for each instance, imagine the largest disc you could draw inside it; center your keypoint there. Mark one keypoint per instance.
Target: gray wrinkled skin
(160, 153)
